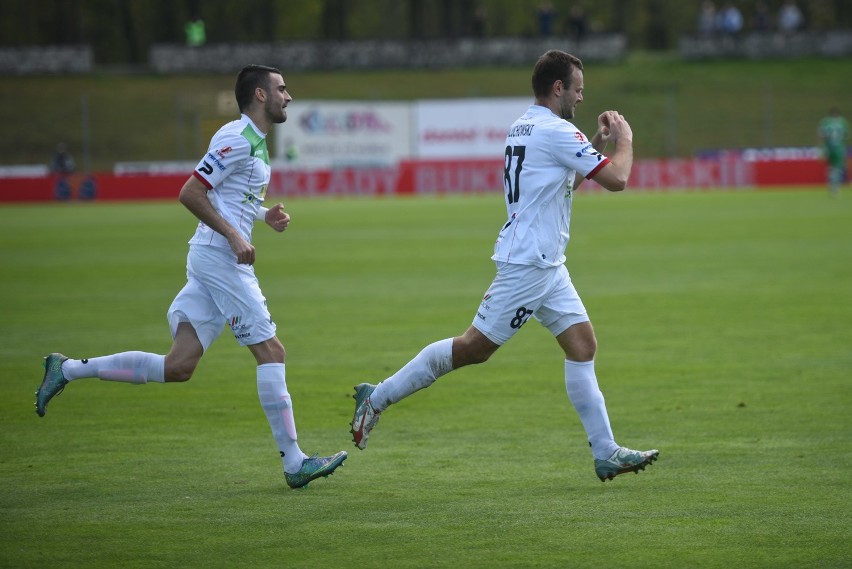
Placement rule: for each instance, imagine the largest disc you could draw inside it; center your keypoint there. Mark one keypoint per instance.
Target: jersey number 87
(513, 191)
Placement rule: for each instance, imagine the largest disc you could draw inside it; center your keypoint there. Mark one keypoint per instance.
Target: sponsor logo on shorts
(238, 327)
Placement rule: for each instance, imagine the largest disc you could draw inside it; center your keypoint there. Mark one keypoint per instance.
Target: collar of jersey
(542, 110)
(244, 117)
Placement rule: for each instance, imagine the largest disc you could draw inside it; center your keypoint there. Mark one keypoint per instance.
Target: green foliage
(122, 31)
(722, 321)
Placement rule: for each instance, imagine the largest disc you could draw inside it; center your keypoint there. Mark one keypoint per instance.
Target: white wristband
(261, 214)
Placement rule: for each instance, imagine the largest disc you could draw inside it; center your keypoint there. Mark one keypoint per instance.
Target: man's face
(572, 95)
(277, 99)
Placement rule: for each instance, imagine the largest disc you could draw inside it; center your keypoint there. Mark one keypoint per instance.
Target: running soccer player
(834, 132)
(545, 160)
(225, 192)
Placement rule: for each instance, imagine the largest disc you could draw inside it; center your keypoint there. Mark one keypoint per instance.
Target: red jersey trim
(206, 183)
(597, 169)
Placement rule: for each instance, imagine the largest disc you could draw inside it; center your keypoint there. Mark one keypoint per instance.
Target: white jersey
(543, 155)
(236, 172)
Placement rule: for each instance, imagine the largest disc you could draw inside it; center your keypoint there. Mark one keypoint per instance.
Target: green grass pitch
(723, 322)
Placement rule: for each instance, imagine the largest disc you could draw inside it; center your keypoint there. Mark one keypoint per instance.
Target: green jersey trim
(257, 144)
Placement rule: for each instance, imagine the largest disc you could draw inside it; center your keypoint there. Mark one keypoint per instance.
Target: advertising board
(331, 134)
(465, 128)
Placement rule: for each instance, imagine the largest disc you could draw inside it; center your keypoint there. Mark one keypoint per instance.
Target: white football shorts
(218, 291)
(521, 291)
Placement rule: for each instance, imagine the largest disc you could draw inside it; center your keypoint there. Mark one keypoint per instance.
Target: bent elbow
(189, 191)
(621, 181)
(616, 184)
(613, 177)
(183, 195)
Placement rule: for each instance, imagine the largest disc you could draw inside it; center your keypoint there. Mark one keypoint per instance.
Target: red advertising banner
(97, 186)
(422, 177)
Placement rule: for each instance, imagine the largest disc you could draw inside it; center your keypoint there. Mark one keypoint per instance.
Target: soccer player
(833, 132)
(225, 192)
(546, 159)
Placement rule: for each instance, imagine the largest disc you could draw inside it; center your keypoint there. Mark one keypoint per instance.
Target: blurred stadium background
(134, 88)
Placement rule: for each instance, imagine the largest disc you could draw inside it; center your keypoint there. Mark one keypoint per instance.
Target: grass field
(723, 324)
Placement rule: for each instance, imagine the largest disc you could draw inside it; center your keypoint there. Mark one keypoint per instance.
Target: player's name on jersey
(521, 130)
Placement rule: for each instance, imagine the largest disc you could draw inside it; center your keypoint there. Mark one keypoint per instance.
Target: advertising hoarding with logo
(333, 134)
(465, 128)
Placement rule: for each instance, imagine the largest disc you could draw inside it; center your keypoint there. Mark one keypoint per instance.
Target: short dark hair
(553, 66)
(250, 78)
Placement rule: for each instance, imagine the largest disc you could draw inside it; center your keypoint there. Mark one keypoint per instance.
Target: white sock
(432, 362)
(588, 401)
(129, 367)
(275, 400)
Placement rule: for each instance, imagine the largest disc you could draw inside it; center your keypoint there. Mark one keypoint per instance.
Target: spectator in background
(760, 19)
(730, 20)
(833, 133)
(62, 161)
(546, 14)
(707, 18)
(790, 18)
(196, 36)
(480, 19)
(291, 152)
(577, 25)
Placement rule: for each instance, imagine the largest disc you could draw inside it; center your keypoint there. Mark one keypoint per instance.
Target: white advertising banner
(465, 128)
(332, 134)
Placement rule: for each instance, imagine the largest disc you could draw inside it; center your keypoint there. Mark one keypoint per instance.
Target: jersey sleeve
(573, 150)
(226, 153)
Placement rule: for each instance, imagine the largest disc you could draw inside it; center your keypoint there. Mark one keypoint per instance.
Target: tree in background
(122, 31)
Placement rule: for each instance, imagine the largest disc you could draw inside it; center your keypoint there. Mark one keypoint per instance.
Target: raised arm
(612, 127)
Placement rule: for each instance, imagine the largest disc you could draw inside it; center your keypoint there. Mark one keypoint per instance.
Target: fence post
(671, 123)
(86, 132)
(768, 115)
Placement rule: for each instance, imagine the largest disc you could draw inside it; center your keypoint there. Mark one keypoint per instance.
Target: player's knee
(179, 375)
(466, 354)
(583, 354)
(467, 358)
(579, 342)
(270, 351)
(481, 356)
(582, 351)
(179, 371)
(277, 350)
(481, 359)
